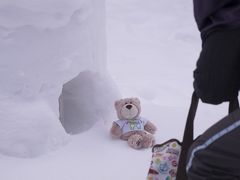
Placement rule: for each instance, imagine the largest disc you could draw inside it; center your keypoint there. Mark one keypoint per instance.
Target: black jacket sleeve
(203, 9)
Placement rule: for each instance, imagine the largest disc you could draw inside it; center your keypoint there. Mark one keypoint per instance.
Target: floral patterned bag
(165, 159)
(170, 156)
(169, 159)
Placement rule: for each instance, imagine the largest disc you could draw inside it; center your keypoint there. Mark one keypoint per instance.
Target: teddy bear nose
(129, 106)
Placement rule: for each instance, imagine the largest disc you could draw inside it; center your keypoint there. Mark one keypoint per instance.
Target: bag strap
(187, 138)
(188, 133)
(233, 105)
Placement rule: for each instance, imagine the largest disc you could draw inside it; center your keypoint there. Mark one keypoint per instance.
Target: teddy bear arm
(150, 127)
(116, 130)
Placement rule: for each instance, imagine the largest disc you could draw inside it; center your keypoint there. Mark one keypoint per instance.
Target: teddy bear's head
(128, 108)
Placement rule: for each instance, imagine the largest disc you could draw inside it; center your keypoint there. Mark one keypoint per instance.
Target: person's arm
(205, 8)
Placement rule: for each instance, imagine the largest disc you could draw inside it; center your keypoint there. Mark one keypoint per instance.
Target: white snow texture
(49, 47)
(44, 44)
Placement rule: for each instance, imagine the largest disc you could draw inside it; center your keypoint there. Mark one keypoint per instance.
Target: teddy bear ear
(117, 103)
(136, 100)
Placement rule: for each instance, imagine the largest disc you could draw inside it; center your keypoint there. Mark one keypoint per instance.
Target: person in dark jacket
(216, 14)
(215, 155)
(217, 76)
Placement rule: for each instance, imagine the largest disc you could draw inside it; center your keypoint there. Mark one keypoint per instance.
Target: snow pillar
(43, 45)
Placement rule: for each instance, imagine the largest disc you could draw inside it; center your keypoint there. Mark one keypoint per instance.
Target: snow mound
(44, 44)
(29, 129)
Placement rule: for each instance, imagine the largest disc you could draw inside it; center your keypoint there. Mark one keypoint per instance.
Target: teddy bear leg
(135, 141)
(148, 141)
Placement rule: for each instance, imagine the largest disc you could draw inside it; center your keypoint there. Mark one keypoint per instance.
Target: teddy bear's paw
(148, 141)
(135, 141)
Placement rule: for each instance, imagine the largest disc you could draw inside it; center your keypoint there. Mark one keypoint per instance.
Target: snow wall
(43, 45)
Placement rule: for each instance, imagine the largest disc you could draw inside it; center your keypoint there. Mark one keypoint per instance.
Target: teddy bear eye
(126, 103)
(131, 102)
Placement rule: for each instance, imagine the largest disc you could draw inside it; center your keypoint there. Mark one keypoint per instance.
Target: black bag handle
(233, 105)
(188, 133)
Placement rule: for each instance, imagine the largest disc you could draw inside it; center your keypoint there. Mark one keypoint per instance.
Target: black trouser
(215, 155)
(217, 76)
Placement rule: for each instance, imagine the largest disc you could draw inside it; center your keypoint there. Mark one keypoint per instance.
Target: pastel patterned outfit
(131, 125)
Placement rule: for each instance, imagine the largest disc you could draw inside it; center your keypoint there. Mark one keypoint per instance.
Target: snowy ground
(152, 50)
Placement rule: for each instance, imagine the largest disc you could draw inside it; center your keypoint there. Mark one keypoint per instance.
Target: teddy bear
(133, 128)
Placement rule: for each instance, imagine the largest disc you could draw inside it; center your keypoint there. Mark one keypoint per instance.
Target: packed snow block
(86, 99)
(46, 43)
(43, 45)
(29, 128)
